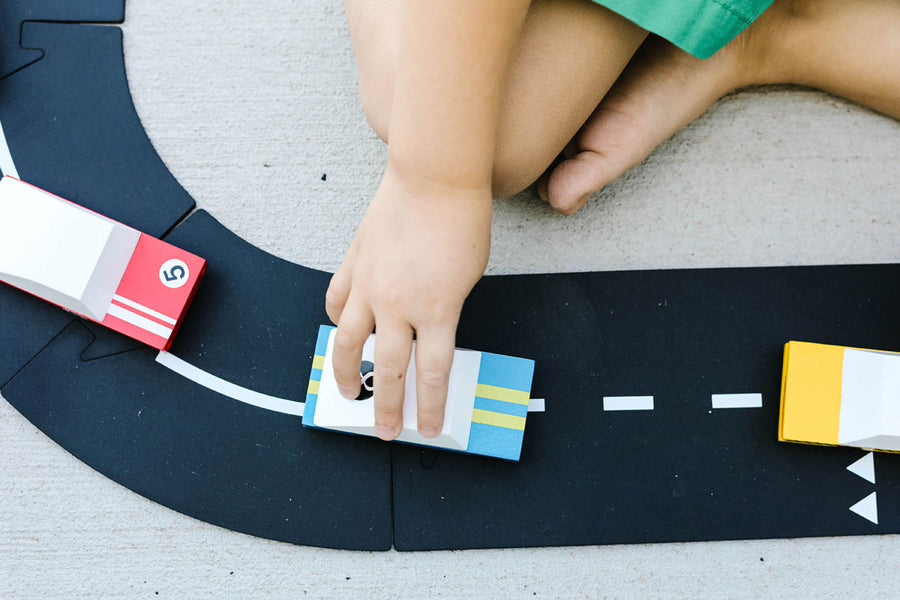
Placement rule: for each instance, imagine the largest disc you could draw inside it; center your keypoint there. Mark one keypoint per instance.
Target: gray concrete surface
(249, 104)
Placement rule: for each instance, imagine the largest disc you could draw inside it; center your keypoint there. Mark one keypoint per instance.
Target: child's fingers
(393, 346)
(353, 328)
(434, 357)
(338, 292)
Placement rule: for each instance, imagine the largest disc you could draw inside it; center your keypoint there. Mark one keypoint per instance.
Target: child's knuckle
(432, 377)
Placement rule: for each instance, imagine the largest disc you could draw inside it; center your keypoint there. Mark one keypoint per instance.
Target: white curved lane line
(185, 369)
(7, 166)
(247, 396)
(199, 376)
(226, 388)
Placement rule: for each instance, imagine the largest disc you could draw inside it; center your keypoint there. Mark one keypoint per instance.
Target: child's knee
(375, 30)
(514, 170)
(376, 105)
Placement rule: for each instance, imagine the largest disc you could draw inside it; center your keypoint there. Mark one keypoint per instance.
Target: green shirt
(700, 27)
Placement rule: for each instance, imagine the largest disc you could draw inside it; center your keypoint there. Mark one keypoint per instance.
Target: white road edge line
(737, 400)
(627, 402)
(7, 165)
(226, 388)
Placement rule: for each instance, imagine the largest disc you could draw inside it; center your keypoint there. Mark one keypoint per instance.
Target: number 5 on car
(93, 266)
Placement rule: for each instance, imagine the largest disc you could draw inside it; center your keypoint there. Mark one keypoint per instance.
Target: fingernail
(384, 432)
(429, 432)
(347, 393)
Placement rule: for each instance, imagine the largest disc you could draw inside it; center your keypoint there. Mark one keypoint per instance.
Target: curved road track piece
(674, 468)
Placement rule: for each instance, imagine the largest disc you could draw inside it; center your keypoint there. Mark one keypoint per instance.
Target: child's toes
(571, 183)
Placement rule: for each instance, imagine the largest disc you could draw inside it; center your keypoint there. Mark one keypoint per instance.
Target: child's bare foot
(662, 89)
(850, 48)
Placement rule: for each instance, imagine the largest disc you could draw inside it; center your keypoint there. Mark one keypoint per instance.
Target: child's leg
(851, 48)
(570, 53)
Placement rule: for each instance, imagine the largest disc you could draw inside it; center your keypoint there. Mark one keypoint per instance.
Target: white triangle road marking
(867, 508)
(864, 467)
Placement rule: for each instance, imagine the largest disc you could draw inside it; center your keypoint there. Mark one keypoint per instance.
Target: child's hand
(415, 257)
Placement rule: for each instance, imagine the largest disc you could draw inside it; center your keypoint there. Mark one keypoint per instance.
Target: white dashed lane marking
(737, 400)
(627, 403)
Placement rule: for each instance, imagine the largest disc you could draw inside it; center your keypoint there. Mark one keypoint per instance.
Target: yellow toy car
(840, 396)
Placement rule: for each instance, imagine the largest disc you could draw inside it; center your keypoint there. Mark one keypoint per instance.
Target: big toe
(570, 184)
(611, 142)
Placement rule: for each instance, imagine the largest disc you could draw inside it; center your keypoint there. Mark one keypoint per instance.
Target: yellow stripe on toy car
(486, 417)
(493, 392)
